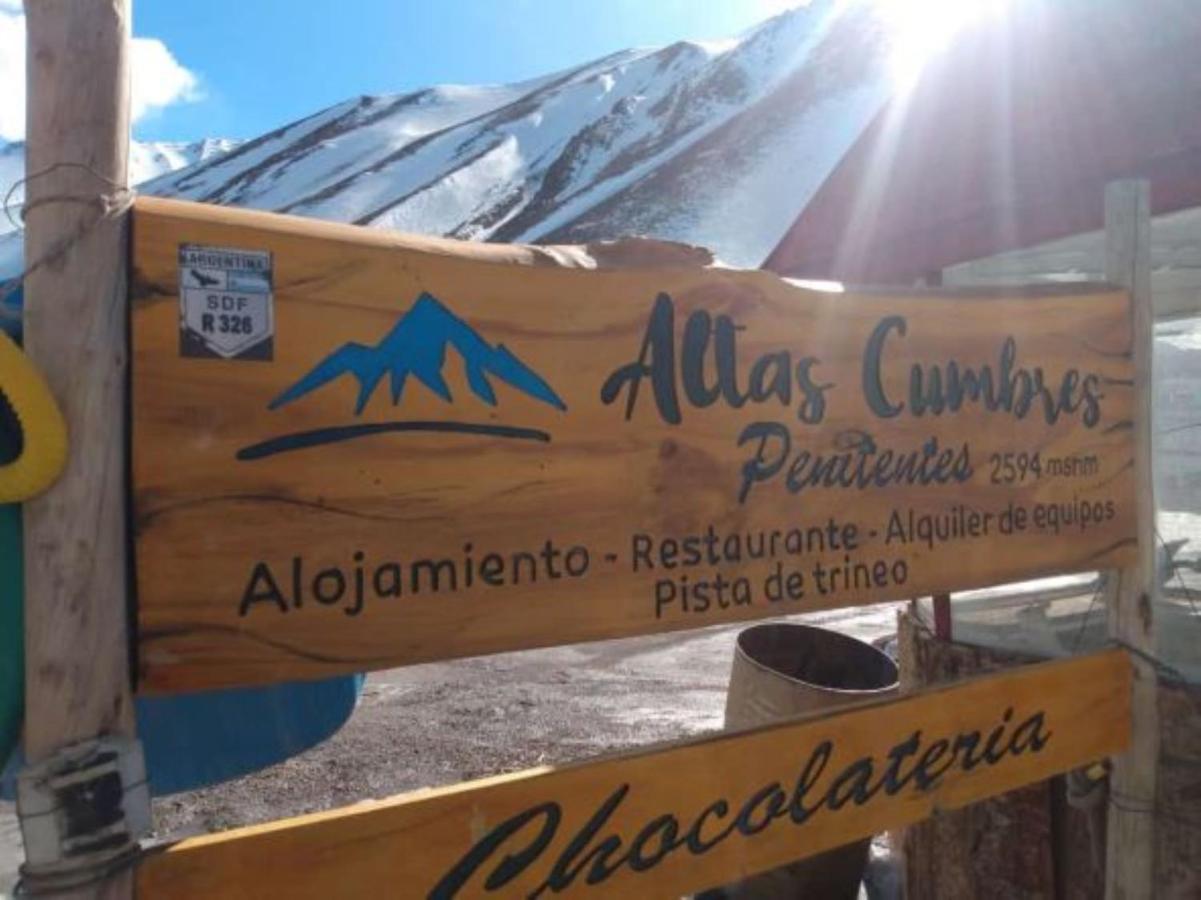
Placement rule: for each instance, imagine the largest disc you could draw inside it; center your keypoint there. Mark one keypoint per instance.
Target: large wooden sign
(697, 815)
(353, 451)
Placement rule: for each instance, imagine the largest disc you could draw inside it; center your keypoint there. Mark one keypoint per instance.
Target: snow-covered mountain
(152, 159)
(147, 160)
(713, 143)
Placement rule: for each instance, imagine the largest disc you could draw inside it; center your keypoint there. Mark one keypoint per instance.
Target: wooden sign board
(354, 451)
(697, 815)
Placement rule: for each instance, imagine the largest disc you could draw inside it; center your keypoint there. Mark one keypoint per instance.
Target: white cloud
(12, 72)
(159, 80)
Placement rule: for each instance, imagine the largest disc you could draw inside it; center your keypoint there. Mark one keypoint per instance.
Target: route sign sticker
(226, 304)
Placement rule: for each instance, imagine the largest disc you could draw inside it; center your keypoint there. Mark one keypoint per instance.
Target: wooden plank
(583, 503)
(1130, 838)
(77, 674)
(664, 822)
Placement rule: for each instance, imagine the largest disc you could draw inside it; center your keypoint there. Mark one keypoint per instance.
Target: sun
(921, 28)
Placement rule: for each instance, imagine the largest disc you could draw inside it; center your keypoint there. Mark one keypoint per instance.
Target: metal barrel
(782, 670)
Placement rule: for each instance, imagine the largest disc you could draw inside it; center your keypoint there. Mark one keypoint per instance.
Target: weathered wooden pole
(76, 613)
(1130, 855)
(941, 603)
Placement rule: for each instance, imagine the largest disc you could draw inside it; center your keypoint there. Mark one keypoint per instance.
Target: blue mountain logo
(416, 346)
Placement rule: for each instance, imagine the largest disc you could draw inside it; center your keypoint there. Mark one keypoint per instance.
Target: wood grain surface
(620, 449)
(665, 822)
(78, 683)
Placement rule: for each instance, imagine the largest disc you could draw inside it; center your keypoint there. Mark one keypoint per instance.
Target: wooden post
(1131, 834)
(76, 659)
(942, 616)
(941, 602)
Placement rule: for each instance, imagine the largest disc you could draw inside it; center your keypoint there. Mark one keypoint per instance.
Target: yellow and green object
(33, 451)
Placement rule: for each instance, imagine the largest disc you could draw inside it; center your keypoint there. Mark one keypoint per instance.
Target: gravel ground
(442, 723)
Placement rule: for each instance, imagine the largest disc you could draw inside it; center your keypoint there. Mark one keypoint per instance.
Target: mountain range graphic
(415, 346)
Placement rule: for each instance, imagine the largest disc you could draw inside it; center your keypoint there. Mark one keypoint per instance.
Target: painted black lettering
(666, 829)
(925, 774)
(262, 587)
(697, 846)
(776, 806)
(812, 772)
(567, 868)
(873, 380)
(656, 360)
(513, 864)
(433, 567)
(1029, 736)
(766, 462)
(697, 331)
(852, 784)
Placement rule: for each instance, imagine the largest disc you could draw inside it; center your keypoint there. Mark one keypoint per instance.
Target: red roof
(1008, 140)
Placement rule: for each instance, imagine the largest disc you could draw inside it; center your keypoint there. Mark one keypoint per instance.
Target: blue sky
(262, 63)
(239, 68)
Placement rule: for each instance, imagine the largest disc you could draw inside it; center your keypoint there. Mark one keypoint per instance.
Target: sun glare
(922, 27)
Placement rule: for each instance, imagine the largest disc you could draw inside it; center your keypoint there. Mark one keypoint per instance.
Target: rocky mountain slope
(713, 143)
